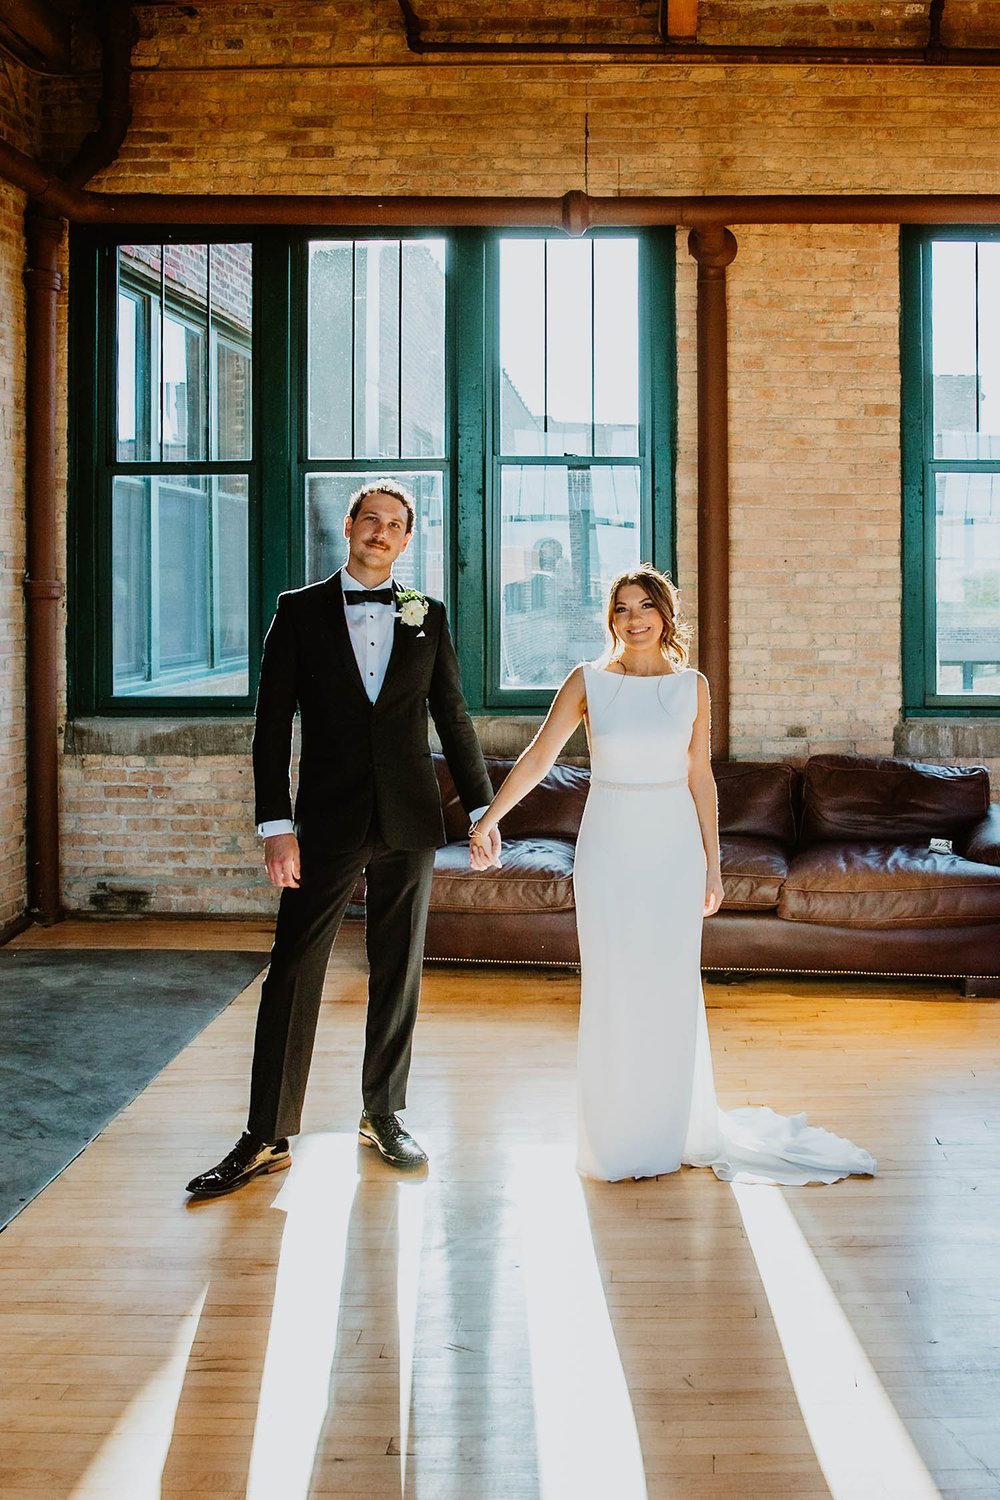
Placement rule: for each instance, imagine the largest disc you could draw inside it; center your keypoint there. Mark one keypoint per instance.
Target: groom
(362, 661)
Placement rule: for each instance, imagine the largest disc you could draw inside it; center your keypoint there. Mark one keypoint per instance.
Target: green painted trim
(465, 310)
(914, 365)
(277, 524)
(919, 478)
(658, 321)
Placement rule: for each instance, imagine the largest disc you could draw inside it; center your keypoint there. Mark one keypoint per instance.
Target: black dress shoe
(248, 1159)
(392, 1142)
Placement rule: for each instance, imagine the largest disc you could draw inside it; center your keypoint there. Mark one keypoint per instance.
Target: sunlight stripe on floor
(131, 1459)
(585, 1429)
(860, 1441)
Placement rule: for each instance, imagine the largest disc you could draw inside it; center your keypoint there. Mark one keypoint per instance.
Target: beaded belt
(637, 786)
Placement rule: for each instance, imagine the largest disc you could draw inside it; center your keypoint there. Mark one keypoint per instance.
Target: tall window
(520, 385)
(376, 394)
(567, 466)
(952, 469)
(179, 485)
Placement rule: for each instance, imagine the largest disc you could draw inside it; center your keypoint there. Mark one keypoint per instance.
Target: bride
(647, 871)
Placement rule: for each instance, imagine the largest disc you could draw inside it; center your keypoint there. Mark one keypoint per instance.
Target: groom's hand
(484, 851)
(281, 858)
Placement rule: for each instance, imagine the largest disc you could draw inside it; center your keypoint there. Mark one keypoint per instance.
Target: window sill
(948, 739)
(501, 736)
(144, 736)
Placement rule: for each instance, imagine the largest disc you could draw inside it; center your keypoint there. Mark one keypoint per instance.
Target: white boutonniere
(413, 607)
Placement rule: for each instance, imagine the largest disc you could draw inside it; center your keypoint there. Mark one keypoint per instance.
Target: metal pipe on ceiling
(669, 50)
(575, 212)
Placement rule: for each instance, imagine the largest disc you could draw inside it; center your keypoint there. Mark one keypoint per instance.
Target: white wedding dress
(646, 1092)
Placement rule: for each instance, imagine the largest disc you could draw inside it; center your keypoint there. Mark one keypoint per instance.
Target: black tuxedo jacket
(357, 757)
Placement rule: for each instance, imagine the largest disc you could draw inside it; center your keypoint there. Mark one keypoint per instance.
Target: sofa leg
(982, 987)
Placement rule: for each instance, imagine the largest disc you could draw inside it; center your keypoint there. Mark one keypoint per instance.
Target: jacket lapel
(343, 650)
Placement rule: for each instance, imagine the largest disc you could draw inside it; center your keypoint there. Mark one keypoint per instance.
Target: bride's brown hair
(676, 638)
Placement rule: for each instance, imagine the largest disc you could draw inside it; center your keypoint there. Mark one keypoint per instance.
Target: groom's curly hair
(675, 641)
(384, 487)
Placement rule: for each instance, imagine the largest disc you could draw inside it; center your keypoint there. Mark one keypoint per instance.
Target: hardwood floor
(498, 1329)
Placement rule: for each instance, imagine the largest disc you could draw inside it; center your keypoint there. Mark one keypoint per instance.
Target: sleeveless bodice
(640, 727)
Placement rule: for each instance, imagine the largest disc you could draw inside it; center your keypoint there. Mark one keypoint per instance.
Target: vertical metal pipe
(714, 248)
(42, 587)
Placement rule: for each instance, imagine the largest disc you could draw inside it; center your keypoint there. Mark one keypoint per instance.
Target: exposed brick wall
(161, 833)
(814, 357)
(815, 484)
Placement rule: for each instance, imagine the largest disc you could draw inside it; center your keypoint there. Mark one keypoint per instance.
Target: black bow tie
(368, 596)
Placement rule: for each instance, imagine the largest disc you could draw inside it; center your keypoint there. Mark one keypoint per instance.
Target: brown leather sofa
(826, 870)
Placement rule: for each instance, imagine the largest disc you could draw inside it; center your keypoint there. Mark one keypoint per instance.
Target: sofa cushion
(757, 798)
(878, 798)
(537, 875)
(753, 872)
(552, 810)
(888, 885)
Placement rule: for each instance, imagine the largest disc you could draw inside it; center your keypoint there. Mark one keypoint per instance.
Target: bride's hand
(714, 893)
(484, 848)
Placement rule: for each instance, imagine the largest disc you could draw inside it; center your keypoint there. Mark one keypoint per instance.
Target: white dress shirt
(370, 627)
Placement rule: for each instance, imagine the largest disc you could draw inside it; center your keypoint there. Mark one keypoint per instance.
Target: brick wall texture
(325, 98)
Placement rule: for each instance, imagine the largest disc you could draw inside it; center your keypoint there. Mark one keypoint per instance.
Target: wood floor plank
(342, 1331)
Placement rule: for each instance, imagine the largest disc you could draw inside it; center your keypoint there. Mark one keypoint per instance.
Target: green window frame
(925, 474)
(278, 469)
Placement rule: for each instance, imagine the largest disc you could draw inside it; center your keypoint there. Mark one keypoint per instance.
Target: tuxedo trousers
(398, 885)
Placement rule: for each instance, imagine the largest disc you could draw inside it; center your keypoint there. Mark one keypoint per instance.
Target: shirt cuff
(274, 827)
(475, 816)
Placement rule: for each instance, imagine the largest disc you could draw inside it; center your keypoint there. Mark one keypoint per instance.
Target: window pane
(182, 572)
(232, 315)
(130, 582)
(968, 583)
(128, 311)
(184, 409)
(179, 549)
(421, 566)
(331, 380)
(138, 360)
(569, 349)
(162, 352)
(565, 533)
(233, 571)
(376, 348)
(232, 400)
(989, 349)
(522, 346)
(616, 347)
(965, 319)
(183, 413)
(422, 355)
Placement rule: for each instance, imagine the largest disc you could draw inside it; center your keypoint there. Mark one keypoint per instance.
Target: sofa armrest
(982, 842)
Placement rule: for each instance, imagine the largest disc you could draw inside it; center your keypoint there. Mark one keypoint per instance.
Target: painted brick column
(714, 248)
(42, 587)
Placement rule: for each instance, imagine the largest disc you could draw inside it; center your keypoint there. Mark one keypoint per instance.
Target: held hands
(281, 859)
(714, 893)
(484, 847)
